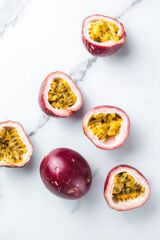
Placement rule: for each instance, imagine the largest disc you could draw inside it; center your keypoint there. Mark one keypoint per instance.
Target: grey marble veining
(80, 72)
(41, 122)
(133, 4)
(10, 12)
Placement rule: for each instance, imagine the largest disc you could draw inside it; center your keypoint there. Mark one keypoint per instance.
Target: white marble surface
(38, 37)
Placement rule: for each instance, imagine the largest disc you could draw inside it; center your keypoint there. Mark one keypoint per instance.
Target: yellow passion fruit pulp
(125, 187)
(102, 31)
(60, 94)
(11, 146)
(105, 125)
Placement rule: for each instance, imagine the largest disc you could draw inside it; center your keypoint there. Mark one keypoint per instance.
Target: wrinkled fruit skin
(66, 173)
(102, 50)
(107, 109)
(108, 183)
(43, 97)
(26, 140)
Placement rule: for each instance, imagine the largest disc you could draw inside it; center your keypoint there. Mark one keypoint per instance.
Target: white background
(38, 37)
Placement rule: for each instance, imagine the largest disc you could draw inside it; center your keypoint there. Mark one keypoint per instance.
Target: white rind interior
(111, 141)
(130, 203)
(24, 139)
(95, 18)
(73, 88)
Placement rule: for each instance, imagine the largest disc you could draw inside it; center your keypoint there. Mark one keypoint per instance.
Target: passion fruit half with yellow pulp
(106, 126)
(59, 96)
(102, 36)
(15, 147)
(126, 188)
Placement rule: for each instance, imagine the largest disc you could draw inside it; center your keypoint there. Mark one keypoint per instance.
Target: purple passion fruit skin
(66, 173)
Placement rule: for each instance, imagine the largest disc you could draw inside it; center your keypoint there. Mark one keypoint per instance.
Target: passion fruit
(15, 147)
(102, 36)
(126, 188)
(106, 126)
(66, 173)
(59, 96)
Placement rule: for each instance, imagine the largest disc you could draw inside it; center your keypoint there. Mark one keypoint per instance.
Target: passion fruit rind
(112, 134)
(102, 49)
(51, 104)
(134, 199)
(15, 147)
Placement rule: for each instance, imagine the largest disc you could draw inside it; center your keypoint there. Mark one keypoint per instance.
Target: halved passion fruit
(102, 36)
(126, 188)
(15, 147)
(106, 126)
(59, 96)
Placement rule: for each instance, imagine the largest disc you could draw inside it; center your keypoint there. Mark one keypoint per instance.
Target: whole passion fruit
(59, 96)
(15, 147)
(66, 173)
(102, 36)
(106, 126)
(126, 188)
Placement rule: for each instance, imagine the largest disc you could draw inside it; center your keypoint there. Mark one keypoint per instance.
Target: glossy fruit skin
(106, 109)
(101, 50)
(107, 185)
(43, 97)
(66, 173)
(29, 146)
